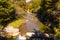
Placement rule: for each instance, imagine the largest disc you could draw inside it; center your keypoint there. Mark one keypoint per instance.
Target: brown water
(31, 22)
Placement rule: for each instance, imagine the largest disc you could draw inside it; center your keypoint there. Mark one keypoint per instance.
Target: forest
(45, 13)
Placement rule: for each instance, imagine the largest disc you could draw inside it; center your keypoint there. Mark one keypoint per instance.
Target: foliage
(16, 23)
(34, 5)
(57, 31)
(21, 4)
(1, 26)
(43, 28)
(45, 10)
(45, 14)
(58, 5)
(7, 12)
(49, 18)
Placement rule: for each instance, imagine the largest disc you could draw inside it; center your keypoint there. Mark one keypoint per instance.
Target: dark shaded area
(4, 4)
(41, 36)
(9, 18)
(7, 13)
(47, 18)
(34, 37)
(3, 38)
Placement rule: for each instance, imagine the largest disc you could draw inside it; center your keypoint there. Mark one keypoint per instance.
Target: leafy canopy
(7, 12)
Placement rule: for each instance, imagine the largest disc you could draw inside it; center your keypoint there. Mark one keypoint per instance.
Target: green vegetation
(16, 23)
(7, 12)
(47, 12)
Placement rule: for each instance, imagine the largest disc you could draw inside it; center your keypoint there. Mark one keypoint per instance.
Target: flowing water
(31, 22)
